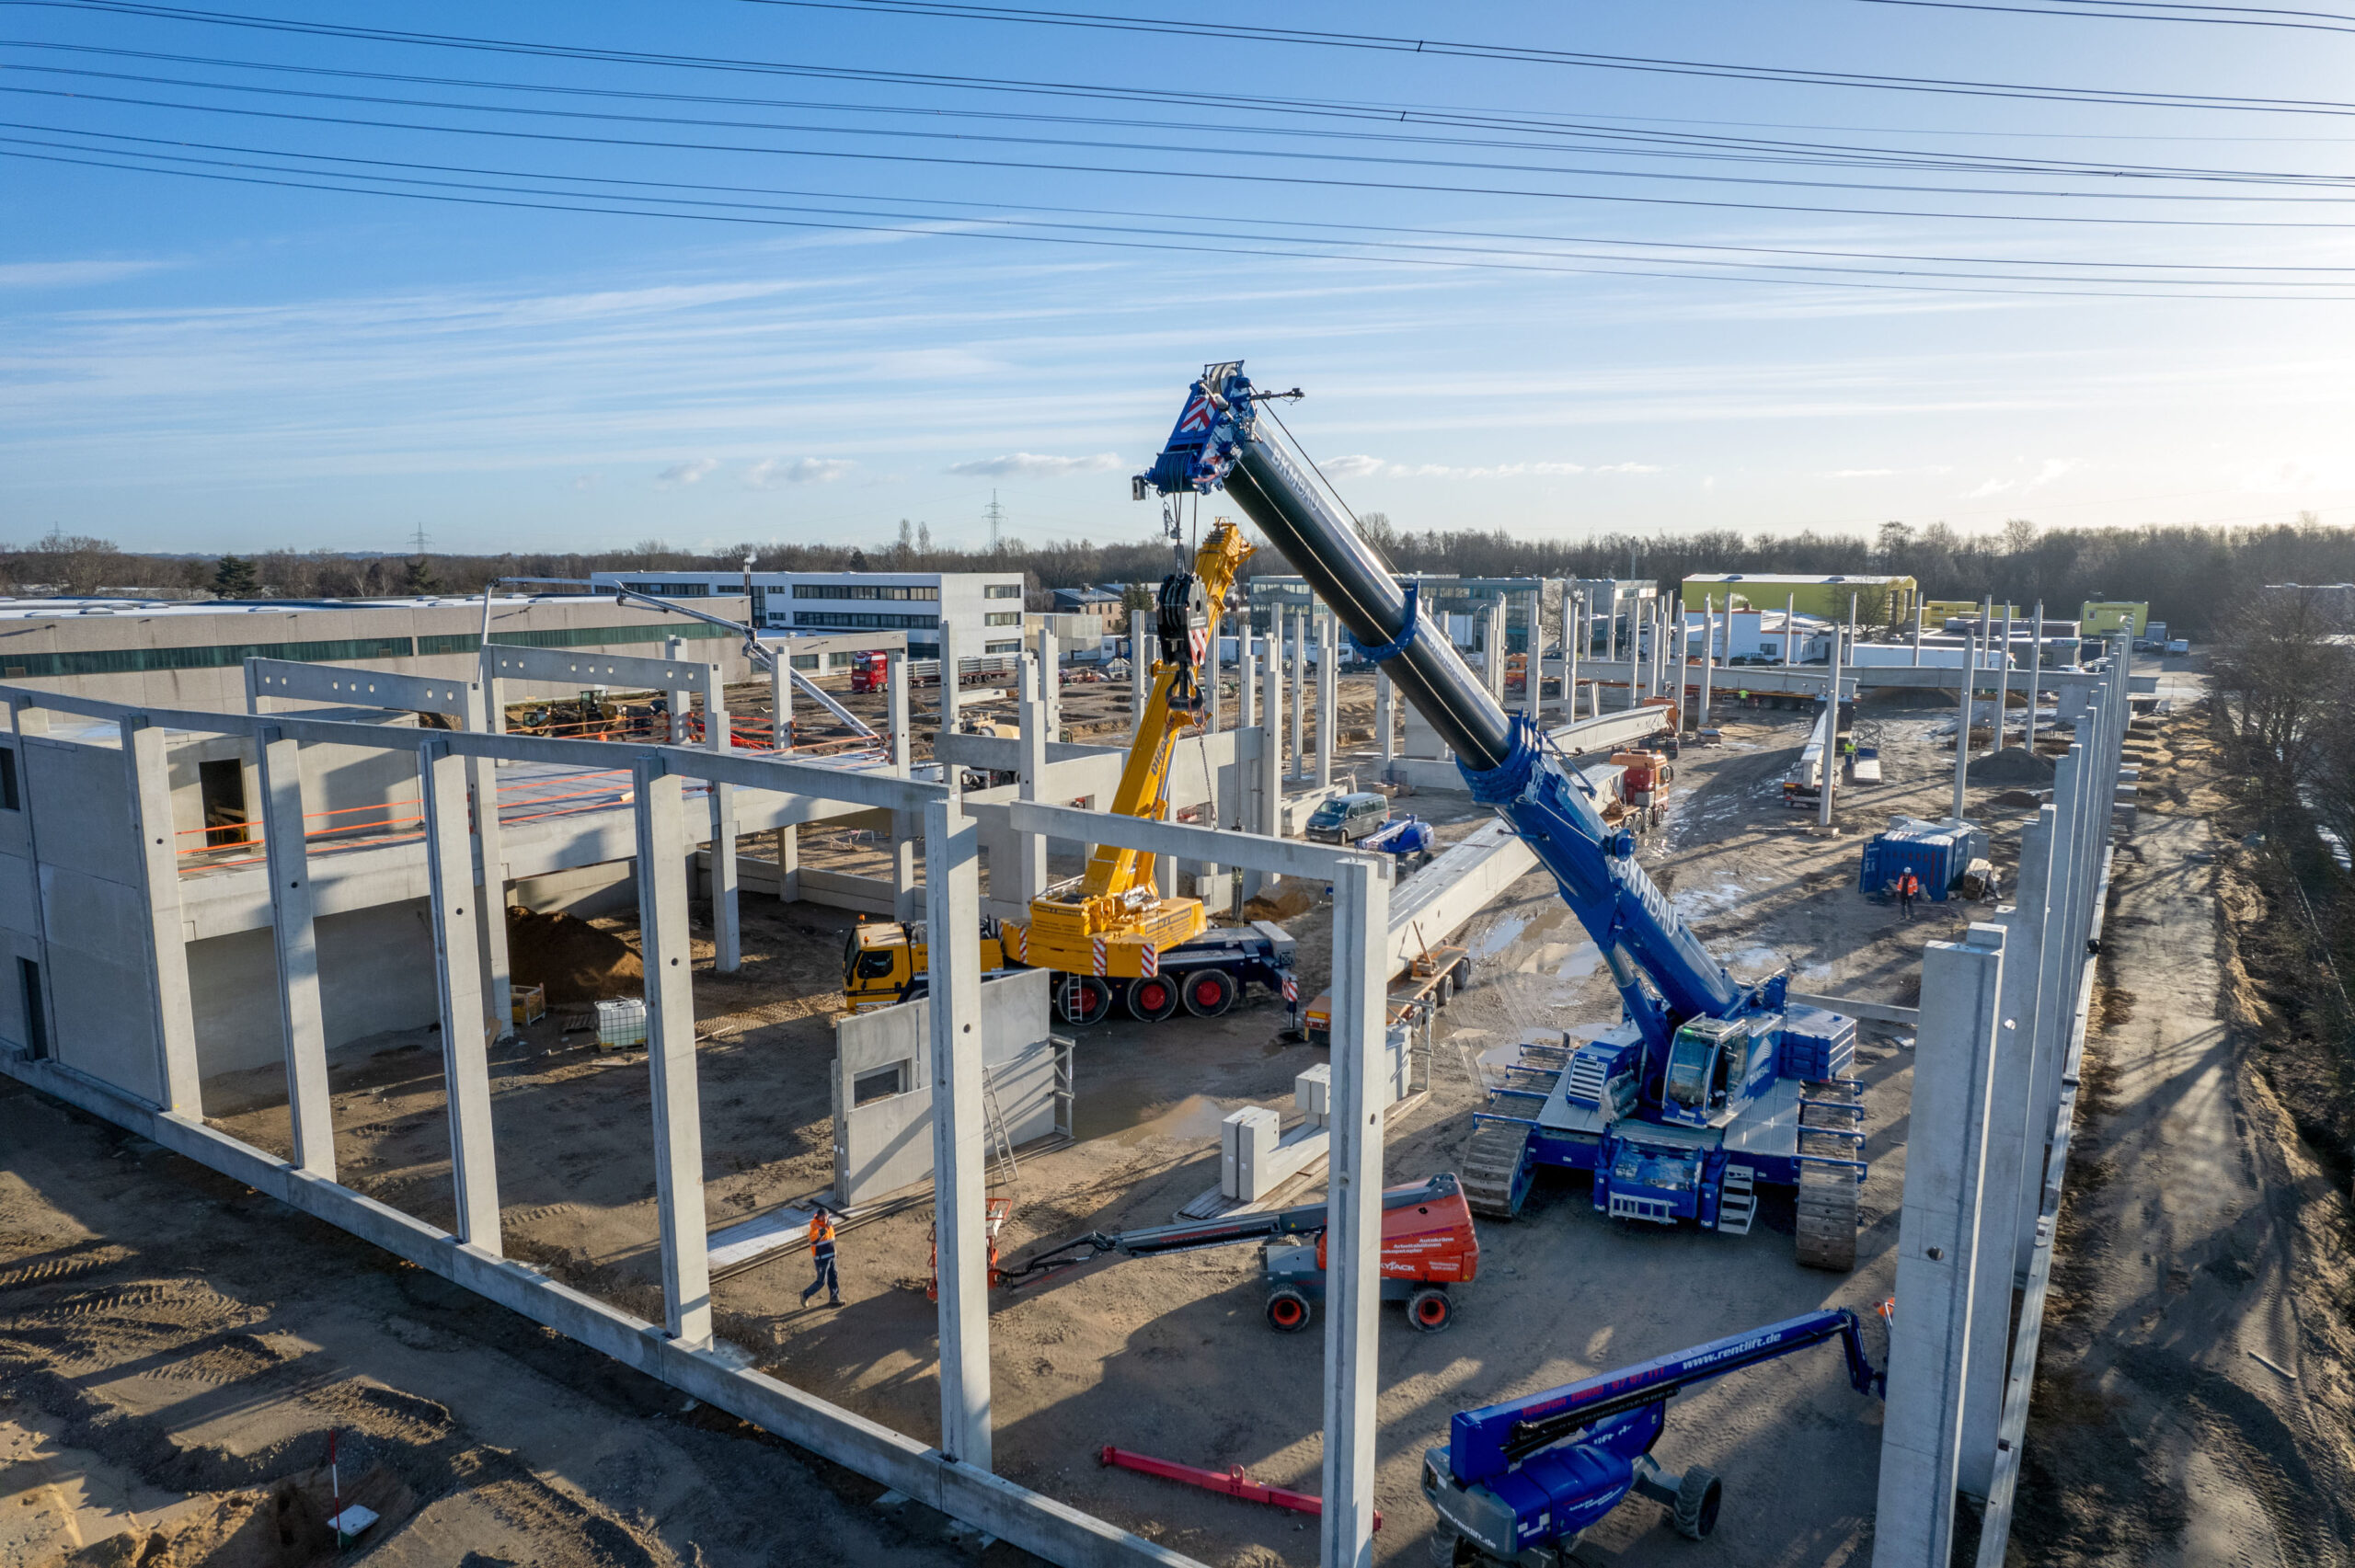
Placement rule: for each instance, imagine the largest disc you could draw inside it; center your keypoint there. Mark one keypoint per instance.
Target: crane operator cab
(1709, 1065)
(885, 962)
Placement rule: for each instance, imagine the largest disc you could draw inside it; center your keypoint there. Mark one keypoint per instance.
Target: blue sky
(193, 363)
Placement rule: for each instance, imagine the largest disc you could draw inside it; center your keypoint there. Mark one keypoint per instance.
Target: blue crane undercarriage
(1706, 1089)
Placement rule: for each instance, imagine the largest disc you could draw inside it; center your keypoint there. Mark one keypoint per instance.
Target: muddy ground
(1170, 1357)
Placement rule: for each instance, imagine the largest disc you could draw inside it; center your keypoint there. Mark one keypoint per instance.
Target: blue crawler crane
(1706, 1089)
(1517, 1482)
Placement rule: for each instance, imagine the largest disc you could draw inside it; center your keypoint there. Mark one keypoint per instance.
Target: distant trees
(234, 577)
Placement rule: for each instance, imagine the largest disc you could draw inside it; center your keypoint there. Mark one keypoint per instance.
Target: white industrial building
(983, 610)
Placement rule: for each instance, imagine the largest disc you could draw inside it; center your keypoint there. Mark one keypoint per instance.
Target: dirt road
(2172, 1424)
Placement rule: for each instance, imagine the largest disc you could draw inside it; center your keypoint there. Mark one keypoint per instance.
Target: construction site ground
(122, 1268)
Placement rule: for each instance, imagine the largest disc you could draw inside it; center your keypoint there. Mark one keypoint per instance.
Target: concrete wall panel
(105, 1021)
(17, 908)
(84, 807)
(375, 973)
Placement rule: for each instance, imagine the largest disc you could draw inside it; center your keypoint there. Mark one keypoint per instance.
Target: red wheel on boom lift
(1288, 1310)
(1430, 1310)
(1152, 998)
(1208, 992)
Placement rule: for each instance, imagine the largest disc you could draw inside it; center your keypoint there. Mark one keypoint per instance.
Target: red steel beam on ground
(1234, 1482)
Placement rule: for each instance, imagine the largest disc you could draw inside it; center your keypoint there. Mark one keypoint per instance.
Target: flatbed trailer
(1428, 983)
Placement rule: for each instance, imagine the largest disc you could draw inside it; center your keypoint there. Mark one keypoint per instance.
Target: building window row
(1001, 591)
(861, 591)
(1002, 618)
(1013, 647)
(852, 620)
(671, 590)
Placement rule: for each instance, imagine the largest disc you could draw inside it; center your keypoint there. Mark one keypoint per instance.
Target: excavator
(1707, 1088)
(1109, 936)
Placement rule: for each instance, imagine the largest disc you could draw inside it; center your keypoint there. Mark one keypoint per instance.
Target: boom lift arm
(1218, 442)
(1534, 1472)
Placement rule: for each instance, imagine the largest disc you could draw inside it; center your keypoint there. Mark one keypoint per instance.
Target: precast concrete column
(2034, 675)
(1051, 680)
(788, 863)
(1353, 1233)
(952, 686)
(1246, 681)
(2014, 1166)
(1298, 622)
(678, 702)
(295, 937)
(1962, 724)
(2070, 900)
(1917, 634)
(1573, 636)
(1937, 1269)
(959, 1152)
(726, 926)
(1790, 621)
(662, 843)
(1532, 689)
(2004, 683)
(1496, 634)
(907, 828)
(1328, 706)
(1271, 751)
(1830, 783)
(1031, 849)
(466, 1070)
(781, 701)
(1708, 657)
(1385, 716)
(1611, 628)
(490, 857)
(1140, 640)
(2043, 895)
(147, 781)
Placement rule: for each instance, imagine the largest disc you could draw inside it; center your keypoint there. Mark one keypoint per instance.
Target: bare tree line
(2194, 576)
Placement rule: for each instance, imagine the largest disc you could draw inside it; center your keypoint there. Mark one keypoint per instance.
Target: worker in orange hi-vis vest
(821, 1254)
(1909, 888)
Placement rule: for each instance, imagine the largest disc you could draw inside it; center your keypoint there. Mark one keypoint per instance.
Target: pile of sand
(575, 960)
(2012, 765)
(1283, 901)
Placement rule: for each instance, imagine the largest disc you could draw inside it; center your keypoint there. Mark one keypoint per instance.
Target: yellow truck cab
(884, 963)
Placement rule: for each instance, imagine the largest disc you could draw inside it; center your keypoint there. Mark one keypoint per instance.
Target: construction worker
(1909, 888)
(821, 1254)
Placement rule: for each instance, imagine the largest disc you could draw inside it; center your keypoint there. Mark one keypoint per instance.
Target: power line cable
(1237, 175)
(2250, 16)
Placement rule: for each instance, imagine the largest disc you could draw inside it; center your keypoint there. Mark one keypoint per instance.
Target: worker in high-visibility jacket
(821, 1254)
(1909, 888)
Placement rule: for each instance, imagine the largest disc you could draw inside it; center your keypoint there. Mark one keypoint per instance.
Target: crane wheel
(1463, 974)
(1208, 992)
(1152, 998)
(1288, 1310)
(1430, 1310)
(1083, 999)
(1697, 1496)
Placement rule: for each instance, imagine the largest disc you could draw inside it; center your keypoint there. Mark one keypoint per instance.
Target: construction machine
(1705, 1088)
(1427, 1245)
(1519, 1482)
(1109, 936)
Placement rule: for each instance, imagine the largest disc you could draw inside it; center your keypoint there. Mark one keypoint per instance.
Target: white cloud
(1992, 487)
(1031, 466)
(586, 481)
(71, 274)
(1357, 466)
(688, 473)
(2054, 468)
(1860, 474)
(769, 473)
(1628, 468)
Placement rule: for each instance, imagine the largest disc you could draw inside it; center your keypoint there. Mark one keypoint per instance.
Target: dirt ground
(1170, 1357)
(2193, 1398)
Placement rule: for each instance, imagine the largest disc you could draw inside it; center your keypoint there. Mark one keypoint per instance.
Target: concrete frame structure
(2002, 1029)
(164, 1101)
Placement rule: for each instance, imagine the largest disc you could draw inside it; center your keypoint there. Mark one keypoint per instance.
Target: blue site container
(1816, 1045)
(1936, 853)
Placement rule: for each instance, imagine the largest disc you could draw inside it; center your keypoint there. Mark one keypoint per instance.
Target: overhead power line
(2129, 11)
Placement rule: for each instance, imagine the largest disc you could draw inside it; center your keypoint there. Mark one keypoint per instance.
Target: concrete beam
(1286, 857)
(291, 680)
(1855, 1007)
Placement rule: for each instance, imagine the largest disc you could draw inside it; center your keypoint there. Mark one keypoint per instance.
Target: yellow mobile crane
(1109, 938)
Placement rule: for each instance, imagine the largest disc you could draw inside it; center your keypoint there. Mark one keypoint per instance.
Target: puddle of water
(1499, 936)
(1582, 962)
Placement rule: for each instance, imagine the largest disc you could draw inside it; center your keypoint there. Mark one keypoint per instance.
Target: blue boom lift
(1517, 1482)
(1706, 1089)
